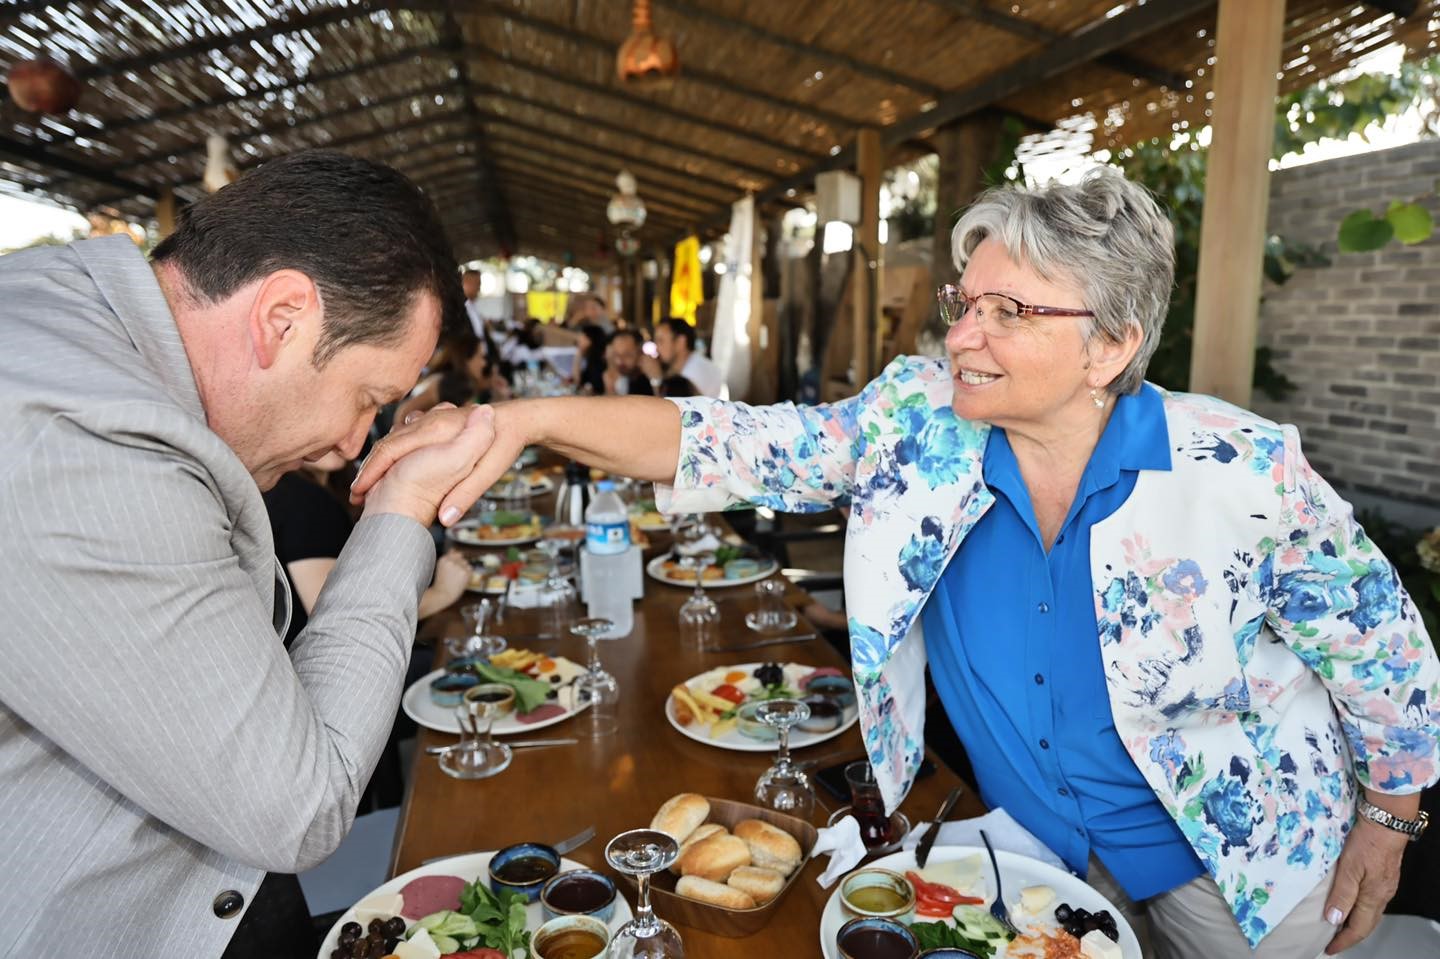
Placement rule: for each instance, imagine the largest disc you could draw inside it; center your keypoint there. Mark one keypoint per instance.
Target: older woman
(1166, 644)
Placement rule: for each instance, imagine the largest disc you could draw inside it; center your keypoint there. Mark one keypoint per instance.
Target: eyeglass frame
(953, 292)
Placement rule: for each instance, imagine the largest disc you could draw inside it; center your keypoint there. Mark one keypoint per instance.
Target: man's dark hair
(630, 335)
(678, 386)
(681, 330)
(367, 236)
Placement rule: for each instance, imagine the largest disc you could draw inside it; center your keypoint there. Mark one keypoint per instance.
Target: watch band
(1380, 817)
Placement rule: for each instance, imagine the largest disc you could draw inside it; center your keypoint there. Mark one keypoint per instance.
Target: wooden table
(617, 783)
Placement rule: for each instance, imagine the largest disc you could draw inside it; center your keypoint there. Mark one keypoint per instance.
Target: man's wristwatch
(1410, 827)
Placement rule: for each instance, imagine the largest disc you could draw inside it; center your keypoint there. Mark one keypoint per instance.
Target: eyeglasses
(995, 313)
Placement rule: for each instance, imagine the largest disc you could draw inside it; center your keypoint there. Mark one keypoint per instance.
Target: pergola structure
(510, 114)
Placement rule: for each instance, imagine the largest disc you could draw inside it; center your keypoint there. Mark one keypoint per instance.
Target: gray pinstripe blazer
(157, 745)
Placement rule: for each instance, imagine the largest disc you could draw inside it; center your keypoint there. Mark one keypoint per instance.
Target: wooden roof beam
(674, 198)
(556, 191)
(489, 179)
(657, 209)
(695, 11)
(616, 93)
(31, 153)
(1401, 8)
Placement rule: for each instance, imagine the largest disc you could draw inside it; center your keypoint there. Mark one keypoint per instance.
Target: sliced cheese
(379, 907)
(959, 874)
(1096, 945)
(419, 946)
(1036, 899)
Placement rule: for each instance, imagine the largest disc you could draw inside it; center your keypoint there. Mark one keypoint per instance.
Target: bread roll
(681, 814)
(716, 894)
(701, 832)
(758, 883)
(715, 857)
(770, 846)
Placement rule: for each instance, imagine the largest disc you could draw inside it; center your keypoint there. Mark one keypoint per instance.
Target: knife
(756, 644)
(922, 851)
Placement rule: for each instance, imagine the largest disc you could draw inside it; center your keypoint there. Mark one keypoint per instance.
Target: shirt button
(1059, 539)
(228, 904)
(1039, 680)
(1063, 791)
(1044, 607)
(1044, 744)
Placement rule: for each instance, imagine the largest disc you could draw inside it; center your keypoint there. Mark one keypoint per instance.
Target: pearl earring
(1097, 399)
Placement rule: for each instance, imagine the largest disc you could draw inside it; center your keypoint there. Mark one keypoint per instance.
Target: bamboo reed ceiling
(509, 112)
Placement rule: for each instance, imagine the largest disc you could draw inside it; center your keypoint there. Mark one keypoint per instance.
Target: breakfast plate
(494, 529)
(665, 569)
(468, 867)
(1016, 873)
(538, 482)
(723, 733)
(420, 707)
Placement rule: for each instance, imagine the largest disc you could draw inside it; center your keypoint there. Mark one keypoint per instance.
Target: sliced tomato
(726, 691)
(934, 910)
(511, 570)
(938, 892)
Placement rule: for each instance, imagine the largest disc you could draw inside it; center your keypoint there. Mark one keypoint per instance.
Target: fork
(997, 908)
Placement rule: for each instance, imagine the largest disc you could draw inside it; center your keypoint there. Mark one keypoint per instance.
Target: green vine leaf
(1411, 221)
(1362, 232)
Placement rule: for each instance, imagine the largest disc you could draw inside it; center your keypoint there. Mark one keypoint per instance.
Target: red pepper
(511, 570)
(936, 892)
(726, 691)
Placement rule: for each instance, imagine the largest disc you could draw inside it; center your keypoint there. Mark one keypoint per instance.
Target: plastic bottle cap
(605, 486)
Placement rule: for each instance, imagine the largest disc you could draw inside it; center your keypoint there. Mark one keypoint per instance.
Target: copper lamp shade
(646, 59)
(43, 86)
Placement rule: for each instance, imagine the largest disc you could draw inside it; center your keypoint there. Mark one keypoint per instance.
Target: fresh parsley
(499, 918)
(936, 935)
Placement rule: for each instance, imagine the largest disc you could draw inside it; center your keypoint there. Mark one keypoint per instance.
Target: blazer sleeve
(138, 645)
(789, 458)
(1339, 604)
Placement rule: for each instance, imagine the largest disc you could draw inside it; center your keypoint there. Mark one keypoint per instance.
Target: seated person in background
(622, 366)
(464, 373)
(311, 525)
(587, 309)
(676, 386)
(675, 341)
(589, 376)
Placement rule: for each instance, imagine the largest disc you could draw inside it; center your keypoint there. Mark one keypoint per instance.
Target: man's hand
(1365, 879)
(414, 469)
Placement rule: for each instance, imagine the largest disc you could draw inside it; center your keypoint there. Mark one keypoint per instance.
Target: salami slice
(540, 713)
(431, 894)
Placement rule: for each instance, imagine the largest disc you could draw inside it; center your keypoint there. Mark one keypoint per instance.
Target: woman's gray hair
(1104, 234)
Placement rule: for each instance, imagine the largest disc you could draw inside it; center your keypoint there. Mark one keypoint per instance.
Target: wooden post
(165, 212)
(637, 302)
(964, 148)
(1248, 40)
(865, 277)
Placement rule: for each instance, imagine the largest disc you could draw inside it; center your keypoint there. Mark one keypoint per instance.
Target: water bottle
(607, 549)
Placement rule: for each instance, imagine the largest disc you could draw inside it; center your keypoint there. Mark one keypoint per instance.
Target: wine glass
(642, 853)
(558, 599)
(478, 643)
(784, 787)
(695, 551)
(596, 689)
(478, 755)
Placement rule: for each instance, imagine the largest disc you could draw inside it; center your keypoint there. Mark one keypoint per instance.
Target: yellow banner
(686, 290)
(546, 305)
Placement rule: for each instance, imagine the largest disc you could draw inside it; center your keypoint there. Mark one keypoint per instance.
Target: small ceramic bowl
(825, 715)
(546, 864)
(557, 931)
(580, 892)
(499, 698)
(751, 728)
(862, 879)
(857, 939)
(838, 689)
(741, 568)
(948, 952)
(449, 690)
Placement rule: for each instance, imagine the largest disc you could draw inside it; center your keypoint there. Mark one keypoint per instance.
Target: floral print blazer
(1262, 658)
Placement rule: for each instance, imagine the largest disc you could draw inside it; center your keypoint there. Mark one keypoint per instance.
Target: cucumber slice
(976, 922)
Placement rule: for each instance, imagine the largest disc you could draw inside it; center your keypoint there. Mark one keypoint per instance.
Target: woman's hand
(416, 469)
(1364, 882)
(452, 575)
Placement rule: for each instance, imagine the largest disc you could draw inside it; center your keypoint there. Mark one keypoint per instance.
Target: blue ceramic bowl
(543, 859)
(449, 690)
(948, 952)
(602, 907)
(837, 689)
(855, 936)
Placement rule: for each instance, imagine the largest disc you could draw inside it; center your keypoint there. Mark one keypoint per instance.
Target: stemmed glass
(476, 616)
(478, 755)
(699, 616)
(642, 853)
(558, 598)
(597, 689)
(784, 786)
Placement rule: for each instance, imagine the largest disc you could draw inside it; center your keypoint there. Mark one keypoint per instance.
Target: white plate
(537, 488)
(420, 707)
(467, 867)
(1016, 872)
(655, 569)
(462, 532)
(733, 740)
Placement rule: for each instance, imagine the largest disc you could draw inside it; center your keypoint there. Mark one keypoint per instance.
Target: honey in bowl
(877, 899)
(571, 944)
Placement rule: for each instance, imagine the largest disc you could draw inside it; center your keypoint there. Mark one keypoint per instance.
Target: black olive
(377, 950)
(390, 944)
(359, 949)
(555, 679)
(1063, 912)
(351, 931)
(345, 939)
(552, 694)
(339, 953)
(1081, 915)
(770, 674)
(377, 935)
(377, 925)
(395, 928)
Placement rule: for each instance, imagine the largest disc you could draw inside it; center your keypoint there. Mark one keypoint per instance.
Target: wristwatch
(1410, 827)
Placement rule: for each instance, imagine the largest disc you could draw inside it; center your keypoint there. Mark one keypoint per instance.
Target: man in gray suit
(159, 751)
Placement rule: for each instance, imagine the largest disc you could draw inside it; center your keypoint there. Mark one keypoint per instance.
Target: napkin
(842, 842)
(708, 543)
(1004, 832)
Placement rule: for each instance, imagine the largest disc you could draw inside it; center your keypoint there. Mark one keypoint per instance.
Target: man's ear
(286, 312)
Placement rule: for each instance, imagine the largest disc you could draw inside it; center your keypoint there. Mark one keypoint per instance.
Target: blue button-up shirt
(1015, 655)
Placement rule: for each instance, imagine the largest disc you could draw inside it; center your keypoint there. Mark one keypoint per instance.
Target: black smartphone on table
(832, 778)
